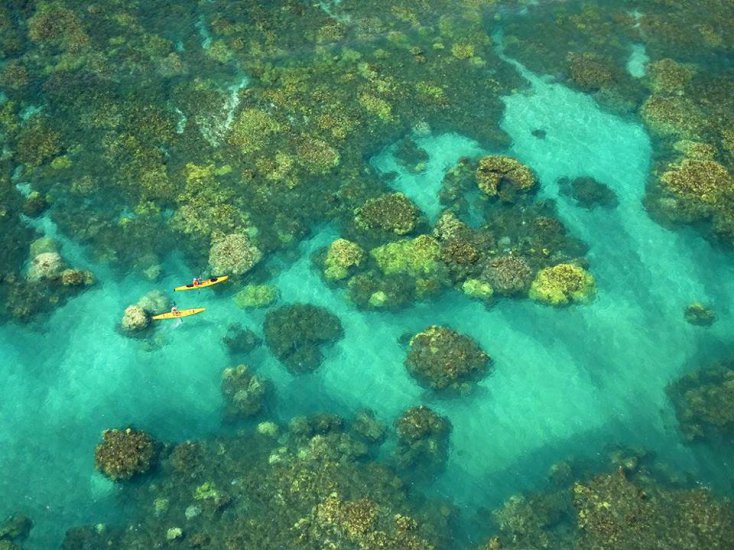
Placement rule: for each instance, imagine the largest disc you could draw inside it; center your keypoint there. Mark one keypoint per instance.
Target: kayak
(178, 314)
(204, 283)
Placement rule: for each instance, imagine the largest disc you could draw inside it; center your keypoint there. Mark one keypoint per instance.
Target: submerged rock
(240, 339)
(699, 314)
(588, 193)
(15, 528)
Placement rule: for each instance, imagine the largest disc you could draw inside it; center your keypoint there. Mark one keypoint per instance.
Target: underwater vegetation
(704, 403)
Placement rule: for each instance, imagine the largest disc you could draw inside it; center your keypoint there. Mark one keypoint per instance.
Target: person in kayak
(174, 310)
(197, 281)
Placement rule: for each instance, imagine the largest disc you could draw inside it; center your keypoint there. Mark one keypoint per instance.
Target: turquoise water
(566, 382)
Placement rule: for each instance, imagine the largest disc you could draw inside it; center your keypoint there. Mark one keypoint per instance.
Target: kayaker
(197, 281)
(174, 310)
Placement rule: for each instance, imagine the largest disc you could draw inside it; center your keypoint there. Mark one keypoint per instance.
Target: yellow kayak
(211, 281)
(178, 314)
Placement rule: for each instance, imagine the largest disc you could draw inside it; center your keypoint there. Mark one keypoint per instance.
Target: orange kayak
(211, 281)
(178, 314)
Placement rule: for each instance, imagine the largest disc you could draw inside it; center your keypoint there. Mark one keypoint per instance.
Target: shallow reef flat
(479, 274)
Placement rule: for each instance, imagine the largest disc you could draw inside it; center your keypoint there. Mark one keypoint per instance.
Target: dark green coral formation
(704, 403)
(296, 334)
(423, 441)
(443, 359)
(588, 193)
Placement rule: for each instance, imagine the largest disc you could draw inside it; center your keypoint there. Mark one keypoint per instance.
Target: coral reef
(154, 301)
(443, 359)
(239, 339)
(368, 427)
(123, 454)
(508, 275)
(419, 256)
(314, 486)
(341, 256)
(134, 319)
(562, 284)
(503, 177)
(704, 403)
(244, 393)
(476, 288)
(296, 334)
(392, 213)
(614, 512)
(46, 265)
(423, 438)
(233, 254)
(636, 502)
(256, 296)
(706, 181)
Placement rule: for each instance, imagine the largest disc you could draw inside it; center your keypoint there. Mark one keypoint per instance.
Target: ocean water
(565, 383)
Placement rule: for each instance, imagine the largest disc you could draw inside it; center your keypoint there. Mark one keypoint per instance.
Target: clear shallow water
(566, 382)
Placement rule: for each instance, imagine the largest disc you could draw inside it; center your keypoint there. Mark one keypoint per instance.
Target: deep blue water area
(566, 383)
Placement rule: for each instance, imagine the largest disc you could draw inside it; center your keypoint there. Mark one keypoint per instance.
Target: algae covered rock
(154, 301)
(444, 359)
(233, 254)
(419, 256)
(256, 296)
(562, 284)
(508, 275)
(705, 181)
(244, 392)
(76, 277)
(503, 176)
(394, 213)
(46, 265)
(341, 257)
(123, 454)
(475, 288)
(296, 333)
(135, 318)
